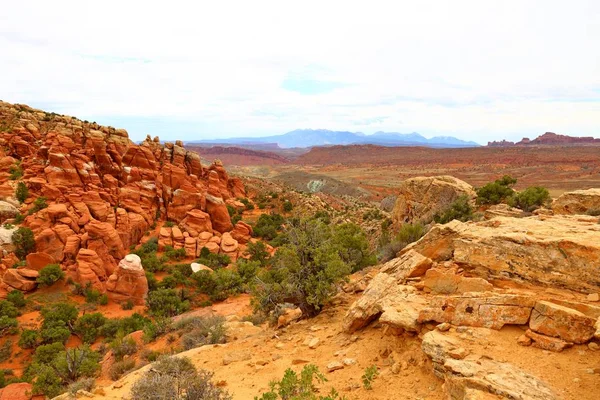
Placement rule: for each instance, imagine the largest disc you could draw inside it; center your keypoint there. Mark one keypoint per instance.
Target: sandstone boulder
(420, 198)
(199, 267)
(577, 202)
(16, 391)
(448, 282)
(196, 222)
(89, 269)
(37, 261)
(242, 232)
(16, 281)
(7, 211)
(128, 282)
(409, 265)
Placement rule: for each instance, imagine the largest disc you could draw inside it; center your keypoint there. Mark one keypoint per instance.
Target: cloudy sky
(477, 70)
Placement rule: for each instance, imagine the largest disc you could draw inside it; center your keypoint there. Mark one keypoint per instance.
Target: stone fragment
(546, 342)
(334, 366)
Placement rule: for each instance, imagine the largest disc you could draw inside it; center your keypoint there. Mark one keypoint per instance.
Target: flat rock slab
(482, 378)
(562, 322)
(479, 309)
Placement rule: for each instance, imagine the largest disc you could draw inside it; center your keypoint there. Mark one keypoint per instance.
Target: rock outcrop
(419, 199)
(578, 202)
(103, 191)
(128, 282)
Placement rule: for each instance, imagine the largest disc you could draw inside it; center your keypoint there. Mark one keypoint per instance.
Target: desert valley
(159, 270)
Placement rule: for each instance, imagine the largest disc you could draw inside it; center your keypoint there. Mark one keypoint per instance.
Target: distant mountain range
(323, 137)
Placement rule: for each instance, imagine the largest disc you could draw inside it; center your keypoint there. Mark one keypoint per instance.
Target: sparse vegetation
(302, 387)
(531, 198)
(166, 303)
(23, 241)
(200, 331)
(496, 192)
(369, 376)
(407, 234)
(460, 210)
(50, 274)
(39, 204)
(22, 192)
(305, 270)
(176, 378)
(16, 172)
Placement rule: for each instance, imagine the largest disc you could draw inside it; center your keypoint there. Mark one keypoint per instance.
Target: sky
(477, 70)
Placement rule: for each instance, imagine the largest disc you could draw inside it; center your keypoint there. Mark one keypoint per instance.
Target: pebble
(443, 327)
(593, 346)
(593, 297)
(314, 343)
(349, 361)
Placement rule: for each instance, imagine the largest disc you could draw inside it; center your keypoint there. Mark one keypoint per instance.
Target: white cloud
(474, 69)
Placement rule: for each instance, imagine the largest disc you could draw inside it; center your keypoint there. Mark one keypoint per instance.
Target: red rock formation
(128, 282)
(104, 191)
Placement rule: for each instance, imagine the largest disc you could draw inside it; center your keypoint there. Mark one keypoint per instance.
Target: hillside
(231, 155)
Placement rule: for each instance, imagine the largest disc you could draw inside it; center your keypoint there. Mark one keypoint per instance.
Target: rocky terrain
(503, 306)
(231, 155)
(103, 193)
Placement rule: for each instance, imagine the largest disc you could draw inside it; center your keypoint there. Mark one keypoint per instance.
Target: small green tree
(531, 198)
(88, 327)
(460, 210)
(59, 320)
(353, 246)
(166, 303)
(305, 271)
(50, 274)
(17, 298)
(258, 252)
(23, 241)
(29, 339)
(22, 192)
(496, 192)
(62, 368)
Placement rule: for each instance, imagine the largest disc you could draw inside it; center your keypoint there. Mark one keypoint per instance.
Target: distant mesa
(549, 139)
(303, 138)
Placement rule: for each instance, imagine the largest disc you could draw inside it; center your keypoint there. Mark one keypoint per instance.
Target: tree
(59, 369)
(353, 246)
(50, 274)
(531, 198)
(166, 303)
(496, 192)
(88, 327)
(29, 339)
(460, 210)
(16, 297)
(258, 252)
(59, 320)
(305, 271)
(22, 192)
(23, 241)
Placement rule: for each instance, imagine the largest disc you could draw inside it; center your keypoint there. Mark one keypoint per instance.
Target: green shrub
(353, 246)
(407, 234)
(176, 378)
(268, 226)
(169, 224)
(16, 172)
(120, 368)
(86, 384)
(258, 252)
(22, 192)
(64, 368)
(460, 210)
(173, 254)
(247, 270)
(8, 309)
(496, 192)
(166, 303)
(531, 198)
(29, 339)
(50, 274)
(39, 204)
(120, 327)
(369, 376)
(304, 272)
(23, 241)
(287, 206)
(205, 281)
(6, 350)
(123, 347)
(213, 261)
(151, 262)
(8, 325)
(128, 305)
(19, 219)
(17, 298)
(302, 387)
(200, 331)
(159, 327)
(89, 326)
(168, 282)
(59, 320)
(151, 246)
(228, 283)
